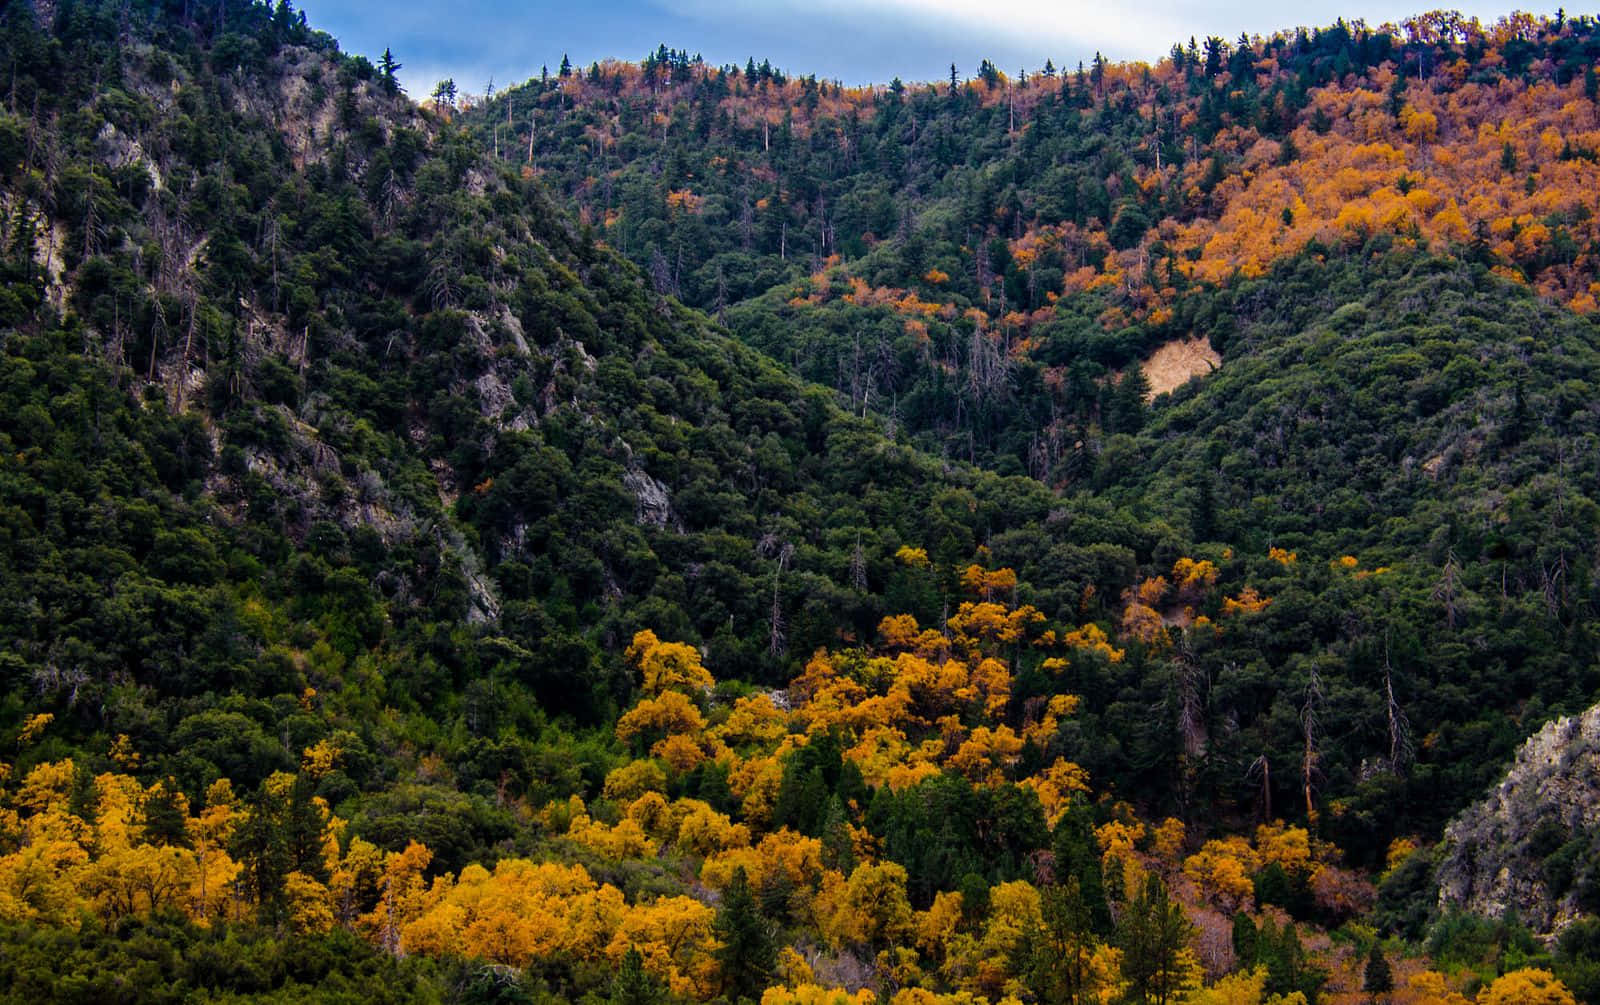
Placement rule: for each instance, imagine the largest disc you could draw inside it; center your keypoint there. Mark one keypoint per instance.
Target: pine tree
(259, 847)
(303, 829)
(633, 985)
(1378, 978)
(1058, 952)
(749, 953)
(164, 820)
(838, 847)
(1284, 956)
(1077, 858)
(389, 66)
(1153, 934)
(83, 798)
(1244, 942)
(566, 67)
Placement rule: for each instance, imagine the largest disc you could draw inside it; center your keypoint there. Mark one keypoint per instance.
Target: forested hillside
(670, 533)
(971, 258)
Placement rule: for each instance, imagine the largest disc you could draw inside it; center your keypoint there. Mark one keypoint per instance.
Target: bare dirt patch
(1172, 365)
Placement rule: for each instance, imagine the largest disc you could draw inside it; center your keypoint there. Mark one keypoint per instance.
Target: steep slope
(319, 419)
(1529, 848)
(1408, 436)
(382, 557)
(433, 448)
(974, 263)
(970, 259)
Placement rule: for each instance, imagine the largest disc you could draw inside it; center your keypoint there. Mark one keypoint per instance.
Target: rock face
(1528, 847)
(653, 504)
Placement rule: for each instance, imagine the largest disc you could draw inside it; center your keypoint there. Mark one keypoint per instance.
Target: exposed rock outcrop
(653, 503)
(1527, 847)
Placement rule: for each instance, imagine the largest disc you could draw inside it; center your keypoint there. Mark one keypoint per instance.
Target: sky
(477, 42)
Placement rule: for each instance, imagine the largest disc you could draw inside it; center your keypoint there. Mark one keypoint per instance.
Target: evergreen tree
(1378, 979)
(777, 894)
(164, 820)
(1058, 952)
(1077, 859)
(303, 829)
(1125, 407)
(260, 849)
(1244, 941)
(388, 66)
(748, 953)
(1154, 935)
(633, 985)
(83, 799)
(838, 847)
(1284, 956)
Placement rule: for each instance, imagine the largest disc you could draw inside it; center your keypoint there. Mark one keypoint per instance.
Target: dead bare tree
(1400, 751)
(1310, 772)
(1191, 719)
(1447, 592)
(770, 546)
(858, 566)
(1260, 770)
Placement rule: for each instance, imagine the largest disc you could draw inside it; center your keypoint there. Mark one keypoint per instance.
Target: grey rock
(1494, 852)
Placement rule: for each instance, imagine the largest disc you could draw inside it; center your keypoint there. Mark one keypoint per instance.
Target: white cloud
(858, 41)
(1122, 32)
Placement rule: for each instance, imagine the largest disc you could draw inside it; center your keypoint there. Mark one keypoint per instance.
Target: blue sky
(856, 41)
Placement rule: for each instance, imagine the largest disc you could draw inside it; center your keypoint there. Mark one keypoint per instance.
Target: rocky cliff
(1533, 846)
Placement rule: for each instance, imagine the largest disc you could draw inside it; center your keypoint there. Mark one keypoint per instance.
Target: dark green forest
(353, 446)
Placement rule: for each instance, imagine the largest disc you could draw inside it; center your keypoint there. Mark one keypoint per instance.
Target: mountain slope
(430, 447)
(385, 556)
(1415, 432)
(970, 259)
(1528, 848)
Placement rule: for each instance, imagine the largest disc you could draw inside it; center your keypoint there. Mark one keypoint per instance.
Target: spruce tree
(389, 66)
(1245, 954)
(1153, 934)
(633, 985)
(1378, 978)
(1077, 856)
(749, 952)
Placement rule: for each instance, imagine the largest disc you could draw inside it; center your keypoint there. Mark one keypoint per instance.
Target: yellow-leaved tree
(667, 666)
(1529, 986)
